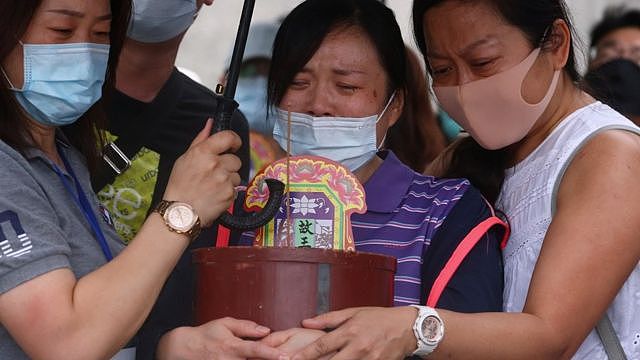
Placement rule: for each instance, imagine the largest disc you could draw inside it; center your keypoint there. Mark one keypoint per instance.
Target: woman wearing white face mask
(563, 168)
(68, 288)
(338, 81)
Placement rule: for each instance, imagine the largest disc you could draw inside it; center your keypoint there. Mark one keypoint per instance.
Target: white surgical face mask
(349, 141)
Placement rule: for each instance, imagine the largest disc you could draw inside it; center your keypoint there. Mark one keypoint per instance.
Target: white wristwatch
(428, 330)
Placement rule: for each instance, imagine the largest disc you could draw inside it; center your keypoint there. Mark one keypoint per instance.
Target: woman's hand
(293, 340)
(217, 339)
(363, 333)
(206, 175)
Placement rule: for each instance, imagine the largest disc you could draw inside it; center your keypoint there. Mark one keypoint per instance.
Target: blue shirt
(420, 220)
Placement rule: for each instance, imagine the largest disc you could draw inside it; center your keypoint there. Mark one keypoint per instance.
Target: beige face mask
(493, 110)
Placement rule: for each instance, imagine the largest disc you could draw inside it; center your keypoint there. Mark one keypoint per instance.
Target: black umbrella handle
(276, 188)
(223, 114)
(222, 121)
(260, 218)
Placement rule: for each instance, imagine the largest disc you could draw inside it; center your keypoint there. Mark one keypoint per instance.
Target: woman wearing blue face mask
(338, 82)
(68, 288)
(251, 92)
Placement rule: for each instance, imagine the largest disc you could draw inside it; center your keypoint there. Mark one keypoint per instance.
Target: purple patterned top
(404, 211)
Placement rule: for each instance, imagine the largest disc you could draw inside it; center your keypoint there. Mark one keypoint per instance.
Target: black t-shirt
(163, 130)
(169, 124)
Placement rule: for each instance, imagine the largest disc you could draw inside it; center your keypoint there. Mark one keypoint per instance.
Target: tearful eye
(63, 31)
(482, 64)
(298, 84)
(436, 72)
(348, 87)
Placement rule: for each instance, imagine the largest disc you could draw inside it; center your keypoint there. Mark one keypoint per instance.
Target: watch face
(180, 216)
(432, 329)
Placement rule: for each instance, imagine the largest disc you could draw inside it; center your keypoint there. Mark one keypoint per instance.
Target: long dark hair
(15, 16)
(416, 138)
(304, 29)
(485, 168)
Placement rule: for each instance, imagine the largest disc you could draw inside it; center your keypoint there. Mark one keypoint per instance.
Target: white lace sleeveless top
(527, 198)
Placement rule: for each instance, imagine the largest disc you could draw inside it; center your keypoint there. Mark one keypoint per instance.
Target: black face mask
(617, 83)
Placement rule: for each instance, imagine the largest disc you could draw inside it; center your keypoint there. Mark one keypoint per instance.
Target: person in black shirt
(614, 67)
(154, 115)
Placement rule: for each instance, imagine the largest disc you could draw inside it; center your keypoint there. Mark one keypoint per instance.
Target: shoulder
(15, 166)
(439, 189)
(21, 185)
(617, 143)
(475, 255)
(455, 201)
(193, 86)
(8, 152)
(469, 211)
(33, 242)
(609, 141)
(598, 114)
(588, 122)
(198, 94)
(412, 188)
(600, 182)
(610, 159)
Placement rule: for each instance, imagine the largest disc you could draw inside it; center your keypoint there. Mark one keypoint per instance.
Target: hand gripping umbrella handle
(222, 121)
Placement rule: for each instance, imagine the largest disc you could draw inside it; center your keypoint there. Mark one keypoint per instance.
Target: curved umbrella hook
(224, 111)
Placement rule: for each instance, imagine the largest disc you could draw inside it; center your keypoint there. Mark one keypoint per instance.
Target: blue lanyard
(82, 201)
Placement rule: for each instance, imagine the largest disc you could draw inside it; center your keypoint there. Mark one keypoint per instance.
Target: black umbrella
(222, 121)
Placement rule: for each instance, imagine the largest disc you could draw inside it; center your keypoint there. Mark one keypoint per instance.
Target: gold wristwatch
(180, 218)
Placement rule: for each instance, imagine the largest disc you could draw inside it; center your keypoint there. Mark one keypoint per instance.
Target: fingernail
(262, 329)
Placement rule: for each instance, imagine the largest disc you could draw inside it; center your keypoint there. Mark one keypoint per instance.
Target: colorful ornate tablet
(317, 208)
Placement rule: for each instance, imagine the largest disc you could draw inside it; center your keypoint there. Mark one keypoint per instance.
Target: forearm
(110, 304)
(499, 336)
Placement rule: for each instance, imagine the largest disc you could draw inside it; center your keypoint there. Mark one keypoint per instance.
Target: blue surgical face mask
(61, 81)
(349, 141)
(155, 21)
(251, 94)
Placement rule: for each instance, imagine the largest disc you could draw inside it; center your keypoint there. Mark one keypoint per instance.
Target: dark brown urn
(279, 287)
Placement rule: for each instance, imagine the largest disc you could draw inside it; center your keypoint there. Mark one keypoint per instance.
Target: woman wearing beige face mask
(564, 169)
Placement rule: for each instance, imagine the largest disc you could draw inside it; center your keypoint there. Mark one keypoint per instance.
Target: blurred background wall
(209, 41)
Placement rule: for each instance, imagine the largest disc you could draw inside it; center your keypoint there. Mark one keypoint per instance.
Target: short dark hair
(304, 29)
(15, 16)
(615, 18)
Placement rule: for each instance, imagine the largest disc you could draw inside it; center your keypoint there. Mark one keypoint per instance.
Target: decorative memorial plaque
(316, 209)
